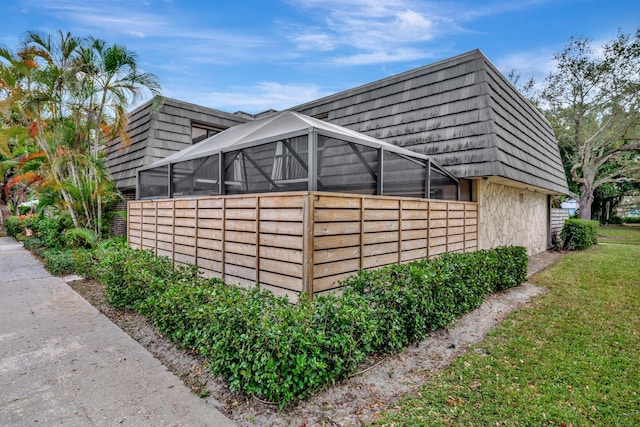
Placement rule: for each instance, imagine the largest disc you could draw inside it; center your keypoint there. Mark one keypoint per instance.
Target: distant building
(571, 205)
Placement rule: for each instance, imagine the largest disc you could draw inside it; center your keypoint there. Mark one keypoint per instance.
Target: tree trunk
(4, 213)
(586, 199)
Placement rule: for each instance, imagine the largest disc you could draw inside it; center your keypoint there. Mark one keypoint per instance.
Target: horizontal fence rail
(299, 241)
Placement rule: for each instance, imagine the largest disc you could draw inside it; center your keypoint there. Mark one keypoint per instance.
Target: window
(201, 132)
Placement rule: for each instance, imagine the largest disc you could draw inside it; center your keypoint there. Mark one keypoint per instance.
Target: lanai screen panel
(442, 186)
(346, 167)
(195, 177)
(153, 182)
(271, 167)
(404, 176)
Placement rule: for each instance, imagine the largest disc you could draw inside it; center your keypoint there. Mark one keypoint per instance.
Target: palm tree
(113, 81)
(71, 94)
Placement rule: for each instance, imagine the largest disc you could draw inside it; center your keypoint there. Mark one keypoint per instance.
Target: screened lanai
(289, 151)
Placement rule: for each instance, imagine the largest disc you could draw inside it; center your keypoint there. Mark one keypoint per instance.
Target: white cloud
(162, 33)
(314, 41)
(370, 31)
(254, 99)
(537, 64)
(107, 16)
(378, 57)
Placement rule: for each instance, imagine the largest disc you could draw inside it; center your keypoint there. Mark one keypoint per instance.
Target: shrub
(131, 276)
(13, 225)
(58, 262)
(35, 245)
(625, 220)
(403, 302)
(579, 234)
(80, 238)
(46, 228)
(614, 219)
(413, 299)
(510, 268)
(267, 347)
(84, 262)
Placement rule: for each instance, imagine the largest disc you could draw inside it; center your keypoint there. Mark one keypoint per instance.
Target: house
(465, 115)
(460, 118)
(571, 205)
(156, 131)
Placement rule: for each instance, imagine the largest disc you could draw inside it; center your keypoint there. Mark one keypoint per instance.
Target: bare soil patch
(352, 401)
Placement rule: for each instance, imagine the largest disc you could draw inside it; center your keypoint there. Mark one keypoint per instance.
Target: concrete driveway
(63, 363)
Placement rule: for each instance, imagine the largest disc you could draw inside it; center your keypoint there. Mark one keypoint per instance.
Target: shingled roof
(463, 113)
(155, 134)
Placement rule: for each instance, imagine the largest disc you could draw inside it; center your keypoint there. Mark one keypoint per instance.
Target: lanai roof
(277, 126)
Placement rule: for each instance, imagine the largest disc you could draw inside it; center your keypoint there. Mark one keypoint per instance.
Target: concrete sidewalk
(63, 363)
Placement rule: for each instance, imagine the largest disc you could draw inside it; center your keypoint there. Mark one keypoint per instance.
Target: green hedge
(48, 230)
(579, 234)
(13, 226)
(69, 261)
(267, 347)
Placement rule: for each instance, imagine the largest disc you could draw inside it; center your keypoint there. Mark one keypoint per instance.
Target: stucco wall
(512, 216)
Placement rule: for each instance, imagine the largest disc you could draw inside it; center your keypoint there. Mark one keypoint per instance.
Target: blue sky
(254, 55)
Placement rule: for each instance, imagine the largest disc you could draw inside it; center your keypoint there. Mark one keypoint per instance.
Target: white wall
(512, 216)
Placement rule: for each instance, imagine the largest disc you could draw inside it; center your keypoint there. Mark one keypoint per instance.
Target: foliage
(35, 245)
(131, 276)
(49, 229)
(626, 220)
(58, 262)
(80, 238)
(415, 298)
(608, 197)
(579, 233)
(267, 347)
(593, 102)
(14, 226)
(62, 99)
(262, 344)
(569, 358)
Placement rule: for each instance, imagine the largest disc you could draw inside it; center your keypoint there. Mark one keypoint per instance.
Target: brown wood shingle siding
(462, 112)
(155, 135)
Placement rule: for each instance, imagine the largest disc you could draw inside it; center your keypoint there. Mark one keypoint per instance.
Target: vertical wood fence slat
(224, 239)
(428, 229)
(141, 225)
(308, 230)
(448, 207)
(155, 236)
(399, 231)
(173, 230)
(464, 229)
(257, 213)
(128, 223)
(361, 232)
(195, 238)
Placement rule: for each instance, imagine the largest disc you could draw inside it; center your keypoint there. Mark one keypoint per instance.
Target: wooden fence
(302, 241)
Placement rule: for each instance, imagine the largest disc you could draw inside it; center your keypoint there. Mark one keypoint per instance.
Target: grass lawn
(626, 234)
(572, 358)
